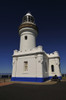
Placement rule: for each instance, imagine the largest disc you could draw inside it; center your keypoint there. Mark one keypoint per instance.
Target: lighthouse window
(29, 18)
(52, 68)
(25, 66)
(24, 19)
(32, 19)
(25, 37)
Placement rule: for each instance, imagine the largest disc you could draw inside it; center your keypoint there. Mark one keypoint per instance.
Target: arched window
(52, 68)
(25, 37)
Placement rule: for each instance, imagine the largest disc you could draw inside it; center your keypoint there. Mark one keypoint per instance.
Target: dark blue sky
(50, 17)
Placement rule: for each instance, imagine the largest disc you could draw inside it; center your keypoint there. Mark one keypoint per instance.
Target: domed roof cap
(28, 14)
(28, 18)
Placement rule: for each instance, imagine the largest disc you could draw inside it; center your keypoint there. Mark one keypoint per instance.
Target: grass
(63, 78)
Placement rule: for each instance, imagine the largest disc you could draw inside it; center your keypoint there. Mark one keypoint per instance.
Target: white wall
(55, 62)
(14, 64)
(34, 66)
(45, 66)
(30, 43)
(39, 65)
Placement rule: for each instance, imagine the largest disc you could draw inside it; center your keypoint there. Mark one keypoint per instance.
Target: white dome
(28, 14)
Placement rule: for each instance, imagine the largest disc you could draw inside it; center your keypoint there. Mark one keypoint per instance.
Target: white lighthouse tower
(32, 63)
(28, 33)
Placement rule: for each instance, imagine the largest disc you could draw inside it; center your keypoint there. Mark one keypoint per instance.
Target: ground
(25, 91)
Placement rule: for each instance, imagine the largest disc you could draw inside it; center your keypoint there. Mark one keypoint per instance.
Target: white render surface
(31, 41)
(36, 63)
(54, 59)
(33, 62)
(39, 62)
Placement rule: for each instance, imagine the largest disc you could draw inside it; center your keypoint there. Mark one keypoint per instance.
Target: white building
(32, 63)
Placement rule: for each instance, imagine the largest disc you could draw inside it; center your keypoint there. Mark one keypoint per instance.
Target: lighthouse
(31, 63)
(28, 32)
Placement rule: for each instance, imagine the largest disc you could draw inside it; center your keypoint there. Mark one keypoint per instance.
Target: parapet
(53, 55)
